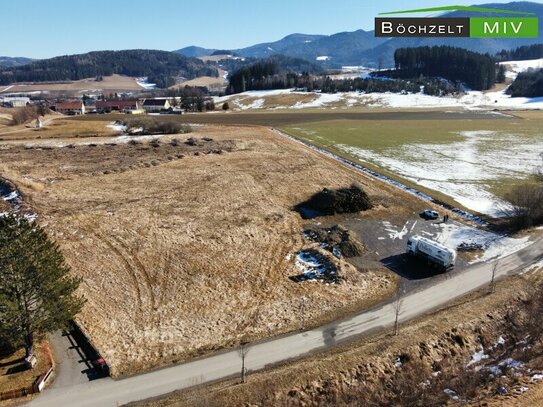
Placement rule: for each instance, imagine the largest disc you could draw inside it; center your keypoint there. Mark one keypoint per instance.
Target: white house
(70, 108)
(156, 105)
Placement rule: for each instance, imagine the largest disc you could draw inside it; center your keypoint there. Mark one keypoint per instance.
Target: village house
(70, 108)
(156, 105)
(106, 106)
(15, 101)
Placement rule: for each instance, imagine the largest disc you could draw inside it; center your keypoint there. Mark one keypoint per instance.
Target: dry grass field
(14, 375)
(210, 82)
(113, 83)
(186, 249)
(346, 374)
(56, 127)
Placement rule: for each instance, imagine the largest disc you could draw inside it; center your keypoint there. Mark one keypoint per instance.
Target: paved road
(73, 360)
(107, 392)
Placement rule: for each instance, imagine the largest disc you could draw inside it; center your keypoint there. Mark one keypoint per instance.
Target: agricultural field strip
(365, 170)
(261, 355)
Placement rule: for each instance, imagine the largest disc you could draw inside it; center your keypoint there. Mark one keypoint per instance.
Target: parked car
(429, 214)
(101, 366)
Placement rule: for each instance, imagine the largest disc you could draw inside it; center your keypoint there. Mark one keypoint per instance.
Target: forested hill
(534, 51)
(161, 67)
(476, 70)
(275, 72)
(14, 61)
(527, 84)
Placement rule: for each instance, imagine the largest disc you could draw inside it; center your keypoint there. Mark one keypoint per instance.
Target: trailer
(434, 253)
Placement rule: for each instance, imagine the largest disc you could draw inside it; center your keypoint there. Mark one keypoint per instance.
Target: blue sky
(42, 29)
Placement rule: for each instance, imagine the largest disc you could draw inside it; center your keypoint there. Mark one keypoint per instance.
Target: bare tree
(539, 171)
(492, 286)
(302, 312)
(397, 309)
(526, 207)
(243, 351)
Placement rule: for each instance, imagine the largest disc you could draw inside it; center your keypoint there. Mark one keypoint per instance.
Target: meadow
(469, 163)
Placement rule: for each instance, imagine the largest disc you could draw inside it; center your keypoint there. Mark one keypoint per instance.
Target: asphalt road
(106, 392)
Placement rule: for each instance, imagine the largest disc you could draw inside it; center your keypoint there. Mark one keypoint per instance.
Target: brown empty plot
(185, 249)
(113, 83)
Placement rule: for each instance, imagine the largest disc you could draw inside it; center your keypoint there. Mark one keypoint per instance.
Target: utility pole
(243, 350)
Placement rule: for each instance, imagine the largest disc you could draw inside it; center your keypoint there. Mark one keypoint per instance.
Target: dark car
(429, 214)
(101, 366)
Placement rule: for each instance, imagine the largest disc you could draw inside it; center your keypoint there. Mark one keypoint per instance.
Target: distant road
(107, 392)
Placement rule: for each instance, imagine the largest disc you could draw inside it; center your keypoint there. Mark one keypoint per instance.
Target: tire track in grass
(137, 267)
(131, 273)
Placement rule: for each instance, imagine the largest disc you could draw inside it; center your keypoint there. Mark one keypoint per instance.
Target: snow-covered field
(516, 67)
(462, 169)
(144, 84)
(472, 100)
(495, 246)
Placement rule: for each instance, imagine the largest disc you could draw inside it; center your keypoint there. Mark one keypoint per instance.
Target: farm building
(117, 105)
(70, 108)
(16, 101)
(156, 105)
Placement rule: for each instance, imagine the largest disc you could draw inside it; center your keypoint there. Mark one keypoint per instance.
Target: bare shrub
(526, 206)
(24, 114)
(192, 141)
(151, 125)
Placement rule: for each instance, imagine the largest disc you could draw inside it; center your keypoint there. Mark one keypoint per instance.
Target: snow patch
(117, 127)
(477, 357)
(495, 246)
(323, 58)
(394, 233)
(11, 196)
(144, 84)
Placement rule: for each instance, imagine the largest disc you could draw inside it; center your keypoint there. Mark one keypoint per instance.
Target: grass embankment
(14, 375)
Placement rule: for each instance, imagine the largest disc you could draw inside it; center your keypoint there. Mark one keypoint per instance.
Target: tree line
(526, 52)
(527, 84)
(161, 67)
(476, 70)
(192, 98)
(275, 72)
(265, 78)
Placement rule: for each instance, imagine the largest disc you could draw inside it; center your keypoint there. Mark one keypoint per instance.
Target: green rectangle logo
(504, 27)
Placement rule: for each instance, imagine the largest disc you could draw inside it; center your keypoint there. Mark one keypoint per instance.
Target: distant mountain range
(363, 48)
(9, 62)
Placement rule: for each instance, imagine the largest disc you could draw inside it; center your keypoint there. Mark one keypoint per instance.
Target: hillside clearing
(113, 83)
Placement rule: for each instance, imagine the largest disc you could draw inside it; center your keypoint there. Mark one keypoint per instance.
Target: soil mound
(337, 240)
(330, 202)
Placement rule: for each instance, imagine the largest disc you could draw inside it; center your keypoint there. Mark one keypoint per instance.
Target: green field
(468, 163)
